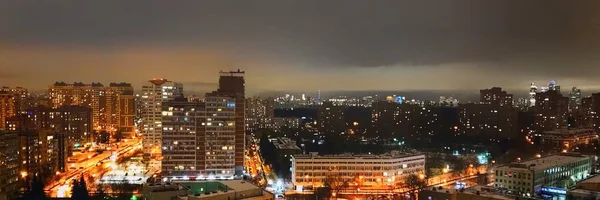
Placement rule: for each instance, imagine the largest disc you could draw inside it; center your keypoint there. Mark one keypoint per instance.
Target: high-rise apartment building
(199, 139)
(232, 85)
(10, 164)
(550, 110)
(21, 97)
(7, 108)
(112, 107)
(205, 139)
(488, 119)
(73, 122)
(495, 96)
(152, 97)
(330, 119)
(260, 108)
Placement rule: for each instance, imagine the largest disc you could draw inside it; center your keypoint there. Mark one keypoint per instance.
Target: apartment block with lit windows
(198, 139)
(113, 108)
(153, 95)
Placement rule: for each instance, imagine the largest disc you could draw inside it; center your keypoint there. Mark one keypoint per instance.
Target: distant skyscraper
(495, 96)
(532, 92)
(153, 95)
(552, 85)
(574, 98)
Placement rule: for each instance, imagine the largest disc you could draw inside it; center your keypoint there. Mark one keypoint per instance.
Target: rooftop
(285, 143)
(388, 155)
(547, 162)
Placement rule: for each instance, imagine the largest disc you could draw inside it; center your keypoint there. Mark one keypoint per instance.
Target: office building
(539, 175)
(112, 107)
(232, 85)
(495, 96)
(369, 171)
(153, 96)
(550, 110)
(330, 119)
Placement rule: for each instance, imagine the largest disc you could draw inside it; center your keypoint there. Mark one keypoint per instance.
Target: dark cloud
(539, 38)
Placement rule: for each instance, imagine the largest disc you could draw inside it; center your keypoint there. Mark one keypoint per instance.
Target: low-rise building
(586, 189)
(209, 190)
(367, 171)
(568, 137)
(543, 174)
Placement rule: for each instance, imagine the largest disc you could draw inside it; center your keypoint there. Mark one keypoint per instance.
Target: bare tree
(335, 183)
(414, 183)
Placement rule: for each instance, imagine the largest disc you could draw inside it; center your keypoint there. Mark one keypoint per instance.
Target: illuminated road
(60, 185)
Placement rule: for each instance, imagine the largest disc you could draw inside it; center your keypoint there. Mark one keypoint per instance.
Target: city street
(60, 185)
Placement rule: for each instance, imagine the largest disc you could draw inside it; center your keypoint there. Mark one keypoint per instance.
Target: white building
(366, 171)
(152, 97)
(547, 173)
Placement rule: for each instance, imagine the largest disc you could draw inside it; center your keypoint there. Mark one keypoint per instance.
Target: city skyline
(299, 46)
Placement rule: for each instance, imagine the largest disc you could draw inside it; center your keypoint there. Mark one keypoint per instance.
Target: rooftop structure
(285, 143)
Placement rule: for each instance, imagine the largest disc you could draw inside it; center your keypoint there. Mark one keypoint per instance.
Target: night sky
(304, 45)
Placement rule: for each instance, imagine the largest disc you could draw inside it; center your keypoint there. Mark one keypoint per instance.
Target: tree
(80, 191)
(414, 183)
(35, 190)
(335, 184)
(100, 193)
(118, 136)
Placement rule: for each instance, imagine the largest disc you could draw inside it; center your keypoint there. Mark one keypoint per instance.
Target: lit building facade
(532, 176)
(574, 99)
(330, 119)
(112, 107)
(232, 85)
(152, 97)
(488, 119)
(550, 110)
(74, 121)
(366, 171)
(198, 139)
(276, 124)
(7, 108)
(10, 164)
(495, 96)
(260, 108)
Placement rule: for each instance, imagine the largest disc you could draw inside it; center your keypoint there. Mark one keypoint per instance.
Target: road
(60, 185)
